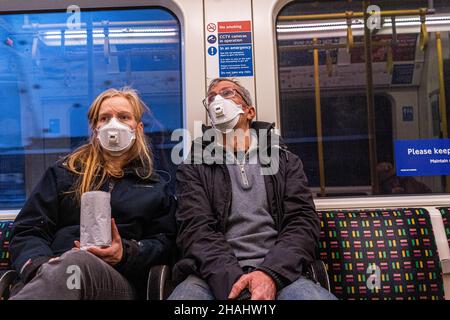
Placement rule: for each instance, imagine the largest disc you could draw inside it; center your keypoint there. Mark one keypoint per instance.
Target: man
(243, 233)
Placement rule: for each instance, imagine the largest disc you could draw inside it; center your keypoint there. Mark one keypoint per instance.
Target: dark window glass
(405, 94)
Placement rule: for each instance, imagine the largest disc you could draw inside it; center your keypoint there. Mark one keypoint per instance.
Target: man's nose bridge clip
(219, 111)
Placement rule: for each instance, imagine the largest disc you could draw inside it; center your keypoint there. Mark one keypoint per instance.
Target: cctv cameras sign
(229, 45)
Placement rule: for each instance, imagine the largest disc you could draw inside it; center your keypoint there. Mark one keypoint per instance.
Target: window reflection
(405, 91)
(49, 75)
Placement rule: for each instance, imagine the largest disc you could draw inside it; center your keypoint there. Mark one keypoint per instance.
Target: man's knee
(305, 289)
(193, 282)
(192, 288)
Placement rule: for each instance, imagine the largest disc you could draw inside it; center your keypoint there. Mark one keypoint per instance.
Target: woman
(45, 247)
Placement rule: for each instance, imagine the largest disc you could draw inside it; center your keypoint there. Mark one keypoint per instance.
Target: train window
(52, 66)
(355, 83)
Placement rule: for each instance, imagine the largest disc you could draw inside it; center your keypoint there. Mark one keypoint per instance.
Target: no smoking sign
(211, 27)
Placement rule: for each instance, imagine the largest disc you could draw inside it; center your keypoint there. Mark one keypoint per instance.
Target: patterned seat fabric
(5, 235)
(446, 219)
(381, 254)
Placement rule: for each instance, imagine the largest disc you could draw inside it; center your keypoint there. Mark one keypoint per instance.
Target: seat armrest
(445, 264)
(7, 278)
(317, 272)
(159, 284)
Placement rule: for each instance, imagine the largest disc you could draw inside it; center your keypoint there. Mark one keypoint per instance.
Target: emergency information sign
(234, 46)
(422, 157)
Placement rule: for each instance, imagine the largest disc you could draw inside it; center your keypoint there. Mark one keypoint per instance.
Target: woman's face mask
(224, 113)
(116, 137)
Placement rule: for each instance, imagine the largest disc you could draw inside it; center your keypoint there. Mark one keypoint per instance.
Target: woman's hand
(113, 254)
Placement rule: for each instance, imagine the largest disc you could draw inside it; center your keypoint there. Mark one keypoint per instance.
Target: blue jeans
(194, 288)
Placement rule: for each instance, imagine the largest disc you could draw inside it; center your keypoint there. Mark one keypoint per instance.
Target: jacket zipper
(228, 204)
(111, 185)
(277, 202)
(243, 175)
(277, 198)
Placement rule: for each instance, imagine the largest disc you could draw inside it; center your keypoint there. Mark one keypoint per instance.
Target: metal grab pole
(370, 101)
(442, 101)
(319, 120)
(343, 15)
(330, 46)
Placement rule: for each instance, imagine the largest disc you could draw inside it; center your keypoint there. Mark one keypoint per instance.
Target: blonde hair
(88, 161)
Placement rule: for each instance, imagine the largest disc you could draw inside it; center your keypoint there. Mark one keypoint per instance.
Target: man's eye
(211, 98)
(227, 93)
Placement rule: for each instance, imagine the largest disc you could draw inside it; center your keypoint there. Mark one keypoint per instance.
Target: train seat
(369, 254)
(5, 234)
(6, 275)
(381, 254)
(445, 211)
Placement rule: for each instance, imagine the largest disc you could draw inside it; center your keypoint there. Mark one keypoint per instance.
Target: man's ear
(251, 113)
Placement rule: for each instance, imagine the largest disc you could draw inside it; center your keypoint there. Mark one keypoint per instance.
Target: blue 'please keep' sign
(422, 157)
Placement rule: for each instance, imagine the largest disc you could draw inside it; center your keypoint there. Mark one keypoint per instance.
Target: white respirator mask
(116, 137)
(224, 113)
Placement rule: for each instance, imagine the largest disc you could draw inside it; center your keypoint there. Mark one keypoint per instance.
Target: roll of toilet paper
(95, 219)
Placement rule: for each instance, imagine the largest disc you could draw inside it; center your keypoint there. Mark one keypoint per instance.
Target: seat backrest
(5, 236)
(381, 254)
(445, 211)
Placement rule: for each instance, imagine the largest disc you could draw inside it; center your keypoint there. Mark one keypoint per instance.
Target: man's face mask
(116, 137)
(224, 113)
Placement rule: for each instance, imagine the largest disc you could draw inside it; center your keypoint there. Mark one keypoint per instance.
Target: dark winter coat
(49, 222)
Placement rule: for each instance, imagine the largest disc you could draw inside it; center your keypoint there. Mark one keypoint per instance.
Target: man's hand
(260, 285)
(111, 255)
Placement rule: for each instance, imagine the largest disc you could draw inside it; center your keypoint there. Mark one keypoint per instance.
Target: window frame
(268, 96)
(193, 69)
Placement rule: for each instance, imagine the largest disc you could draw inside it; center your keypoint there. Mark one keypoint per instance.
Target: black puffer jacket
(49, 222)
(204, 201)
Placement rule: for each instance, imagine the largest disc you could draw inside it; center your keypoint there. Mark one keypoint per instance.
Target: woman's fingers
(115, 232)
